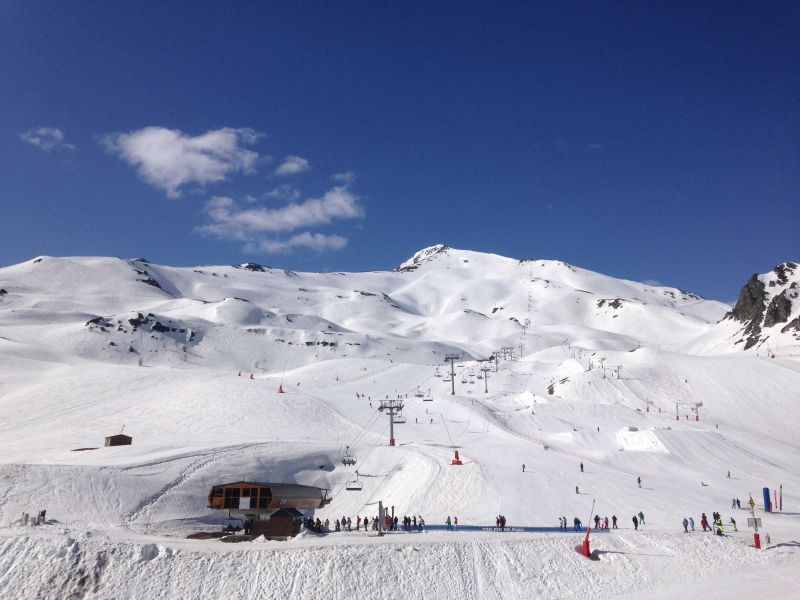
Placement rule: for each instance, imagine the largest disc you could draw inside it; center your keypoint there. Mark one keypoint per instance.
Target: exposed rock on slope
(766, 301)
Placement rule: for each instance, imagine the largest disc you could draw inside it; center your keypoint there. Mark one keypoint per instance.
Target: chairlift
(428, 398)
(437, 373)
(399, 417)
(480, 375)
(418, 393)
(463, 380)
(348, 459)
(447, 379)
(354, 485)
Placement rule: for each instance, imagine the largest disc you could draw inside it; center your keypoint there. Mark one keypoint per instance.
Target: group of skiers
(576, 522)
(500, 522)
(715, 526)
(638, 521)
(412, 523)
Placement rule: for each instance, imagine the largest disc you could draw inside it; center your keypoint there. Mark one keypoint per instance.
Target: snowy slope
(595, 371)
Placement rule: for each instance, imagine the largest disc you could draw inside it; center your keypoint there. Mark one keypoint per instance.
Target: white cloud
(46, 138)
(292, 165)
(345, 178)
(169, 159)
(284, 192)
(266, 229)
(314, 241)
(336, 203)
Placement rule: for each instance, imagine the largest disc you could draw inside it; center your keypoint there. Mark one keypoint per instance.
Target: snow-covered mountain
(628, 378)
(248, 316)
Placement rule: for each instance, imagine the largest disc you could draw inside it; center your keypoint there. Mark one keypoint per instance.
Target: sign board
(755, 523)
(244, 503)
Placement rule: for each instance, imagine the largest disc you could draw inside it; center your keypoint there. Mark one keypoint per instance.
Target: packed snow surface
(557, 366)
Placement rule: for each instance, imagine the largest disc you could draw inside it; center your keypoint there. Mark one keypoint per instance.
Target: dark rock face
(794, 325)
(750, 303)
(782, 269)
(778, 310)
(756, 313)
(252, 267)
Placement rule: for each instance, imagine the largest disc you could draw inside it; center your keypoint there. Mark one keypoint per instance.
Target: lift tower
(452, 358)
(392, 407)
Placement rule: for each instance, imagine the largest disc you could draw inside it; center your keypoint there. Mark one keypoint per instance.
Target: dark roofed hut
(273, 510)
(119, 440)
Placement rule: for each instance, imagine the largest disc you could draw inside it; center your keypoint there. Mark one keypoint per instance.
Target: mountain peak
(767, 300)
(424, 255)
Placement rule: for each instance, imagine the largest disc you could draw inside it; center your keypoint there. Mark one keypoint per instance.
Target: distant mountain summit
(768, 307)
(424, 255)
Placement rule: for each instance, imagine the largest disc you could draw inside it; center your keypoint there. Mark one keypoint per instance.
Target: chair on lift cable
(354, 485)
(348, 459)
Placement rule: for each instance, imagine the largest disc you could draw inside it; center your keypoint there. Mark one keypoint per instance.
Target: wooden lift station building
(274, 510)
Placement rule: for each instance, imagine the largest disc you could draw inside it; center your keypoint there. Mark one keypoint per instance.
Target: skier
(577, 522)
(641, 517)
(733, 502)
(733, 522)
(635, 523)
(597, 521)
(581, 467)
(685, 525)
(614, 522)
(639, 481)
(729, 474)
(560, 524)
(576, 490)
(704, 521)
(605, 523)
(691, 522)
(523, 467)
(449, 524)
(565, 523)
(455, 522)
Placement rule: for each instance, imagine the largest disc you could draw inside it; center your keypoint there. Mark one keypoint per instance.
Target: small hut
(119, 440)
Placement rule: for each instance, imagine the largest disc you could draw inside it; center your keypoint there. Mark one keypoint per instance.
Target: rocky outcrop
(778, 311)
(762, 304)
(750, 304)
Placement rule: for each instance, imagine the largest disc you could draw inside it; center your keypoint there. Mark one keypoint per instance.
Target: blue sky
(650, 141)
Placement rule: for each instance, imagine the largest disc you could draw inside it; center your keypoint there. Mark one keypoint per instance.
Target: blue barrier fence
(508, 528)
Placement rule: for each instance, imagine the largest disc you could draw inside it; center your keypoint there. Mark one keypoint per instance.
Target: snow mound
(640, 441)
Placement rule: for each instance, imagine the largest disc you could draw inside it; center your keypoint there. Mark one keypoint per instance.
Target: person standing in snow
(641, 517)
(576, 490)
(639, 481)
(685, 525)
(581, 467)
(577, 522)
(691, 523)
(455, 522)
(635, 523)
(614, 522)
(565, 523)
(449, 524)
(523, 467)
(733, 522)
(605, 523)
(597, 521)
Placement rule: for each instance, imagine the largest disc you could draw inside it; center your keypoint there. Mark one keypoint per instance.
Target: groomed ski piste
(591, 373)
